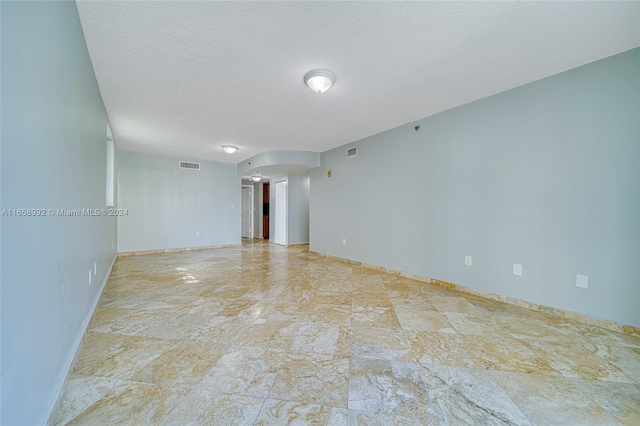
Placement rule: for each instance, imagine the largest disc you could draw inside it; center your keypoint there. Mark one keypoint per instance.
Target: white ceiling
(184, 78)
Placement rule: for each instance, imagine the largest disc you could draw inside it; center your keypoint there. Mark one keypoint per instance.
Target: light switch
(517, 269)
(582, 281)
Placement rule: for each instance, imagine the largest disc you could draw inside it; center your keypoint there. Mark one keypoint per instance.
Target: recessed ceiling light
(229, 149)
(256, 178)
(319, 80)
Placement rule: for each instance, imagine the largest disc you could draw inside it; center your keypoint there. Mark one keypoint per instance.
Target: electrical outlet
(582, 281)
(233, 206)
(468, 260)
(344, 241)
(517, 269)
(197, 234)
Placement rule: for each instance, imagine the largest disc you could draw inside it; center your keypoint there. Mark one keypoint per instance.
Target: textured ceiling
(183, 78)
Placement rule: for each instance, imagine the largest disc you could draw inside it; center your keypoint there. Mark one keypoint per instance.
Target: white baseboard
(176, 250)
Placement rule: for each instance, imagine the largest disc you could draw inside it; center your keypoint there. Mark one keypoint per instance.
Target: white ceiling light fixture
(229, 149)
(256, 178)
(319, 80)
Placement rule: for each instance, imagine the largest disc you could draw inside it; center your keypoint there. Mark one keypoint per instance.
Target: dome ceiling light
(319, 80)
(229, 149)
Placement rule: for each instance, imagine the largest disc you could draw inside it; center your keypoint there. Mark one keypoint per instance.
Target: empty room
(328, 213)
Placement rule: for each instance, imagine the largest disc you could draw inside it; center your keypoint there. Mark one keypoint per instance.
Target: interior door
(247, 194)
(281, 213)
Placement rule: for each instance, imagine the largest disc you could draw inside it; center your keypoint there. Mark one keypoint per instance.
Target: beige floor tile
(547, 400)
(121, 321)
(527, 327)
(374, 316)
(379, 343)
(418, 320)
(380, 386)
(394, 392)
(272, 334)
(265, 292)
(322, 338)
(471, 324)
(454, 304)
(496, 352)
(322, 313)
(277, 412)
(131, 403)
(371, 298)
(622, 400)
(201, 328)
(626, 359)
(411, 300)
(312, 379)
(229, 291)
(592, 335)
(84, 391)
(226, 307)
(204, 407)
(117, 356)
(497, 309)
(243, 370)
(571, 359)
(309, 297)
(475, 387)
(154, 301)
(264, 334)
(330, 297)
(185, 364)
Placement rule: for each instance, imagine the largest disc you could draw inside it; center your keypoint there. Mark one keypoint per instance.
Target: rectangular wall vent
(190, 166)
(351, 152)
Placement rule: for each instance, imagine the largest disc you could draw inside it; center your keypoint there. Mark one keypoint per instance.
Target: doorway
(281, 213)
(265, 210)
(247, 211)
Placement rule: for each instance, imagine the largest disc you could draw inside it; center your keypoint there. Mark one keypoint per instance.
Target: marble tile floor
(263, 335)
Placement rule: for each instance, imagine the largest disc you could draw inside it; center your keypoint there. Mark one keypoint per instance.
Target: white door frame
(251, 211)
(286, 212)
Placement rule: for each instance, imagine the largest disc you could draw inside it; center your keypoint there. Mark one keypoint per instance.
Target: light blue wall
(53, 156)
(546, 175)
(168, 205)
(298, 209)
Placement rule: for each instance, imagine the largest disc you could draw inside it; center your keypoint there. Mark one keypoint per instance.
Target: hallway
(270, 335)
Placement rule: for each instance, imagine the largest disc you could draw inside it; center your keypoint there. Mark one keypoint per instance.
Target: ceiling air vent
(190, 166)
(351, 152)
